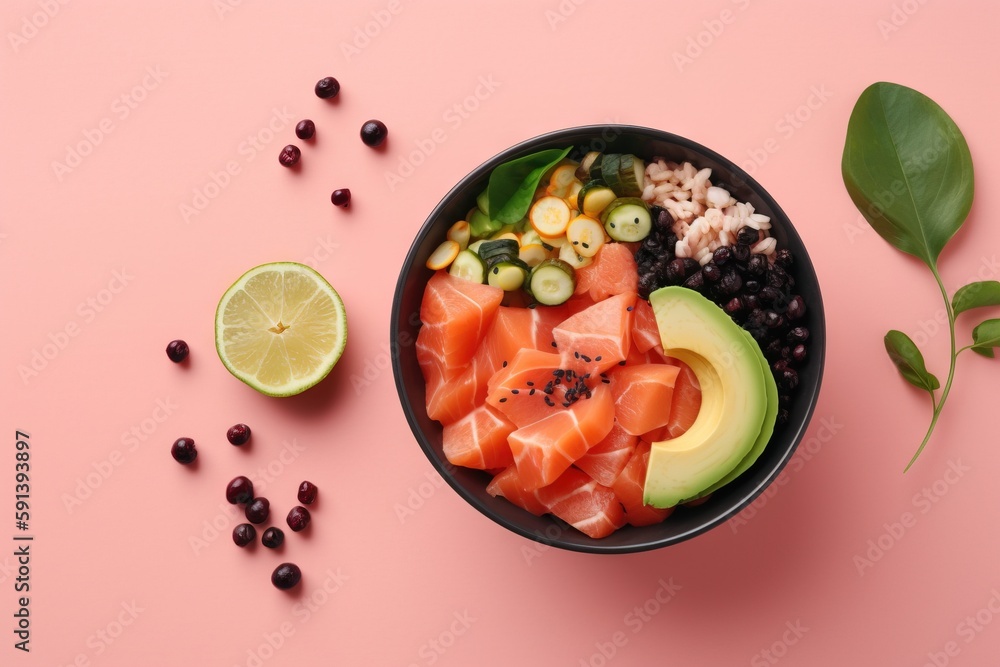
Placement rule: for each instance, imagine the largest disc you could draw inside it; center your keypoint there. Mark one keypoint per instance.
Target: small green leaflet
(907, 358)
(977, 295)
(985, 337)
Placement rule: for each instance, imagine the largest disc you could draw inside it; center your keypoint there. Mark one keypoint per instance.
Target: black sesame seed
(503, 400)
(554, 344)
(612, 225)
(597, 358)
(496, 270)
(605, 380)
(565, 405)
(530, 383)
(629, 309)
(505, 364)
(585, 358)
(531, 393)
(558, 372)
(515, 391)
(576, 354)
(621, 363)
(576, 243)
(548, 402)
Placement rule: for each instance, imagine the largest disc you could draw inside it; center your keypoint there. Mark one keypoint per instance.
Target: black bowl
(686, 522)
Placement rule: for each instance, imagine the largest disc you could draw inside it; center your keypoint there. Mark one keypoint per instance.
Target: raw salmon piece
(612, 272)
(478, 440)
(447, 401)
(545, 449)
(507, 484)
(519, 391)
(597, 338)
(456, 313)
(686, 402)
(605, 460)
(645, 332)
(628, 489)
(643, 396)
(581, 502)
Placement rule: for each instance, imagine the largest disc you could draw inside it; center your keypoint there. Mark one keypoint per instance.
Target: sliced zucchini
(549, 216)
(609, 171)
(530, 236)
(627, 219)
(483, 201)
(460, 234)
(552, 282)
(594, 198)
(573, 194)
(497, 247)
(631, 176)
(562, 178)
(533, 254)
(507, 275)
(469, 266)
(583, 171)
(586, 235)
(443, 255)
(553, 241)
(568, 254)
(475, 245)
(510, 236)
(480, 225)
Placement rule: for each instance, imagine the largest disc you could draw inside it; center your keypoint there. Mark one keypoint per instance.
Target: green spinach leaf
(512, 184)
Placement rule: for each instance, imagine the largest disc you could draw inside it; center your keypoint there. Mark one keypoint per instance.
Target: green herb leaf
(908, 169)
(513, 184)
(976, 295)
(985, 337)
(907, 358)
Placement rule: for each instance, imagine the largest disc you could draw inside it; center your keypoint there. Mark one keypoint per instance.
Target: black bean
(798, 335)
(783, 258)
(695, 281)
(773, 320)
(757, 264)
(711, 273)
(747, 236)
(741, 253)
(751, 285)
(799, 353)
(789, 379)
(722, 255)
(796, 307)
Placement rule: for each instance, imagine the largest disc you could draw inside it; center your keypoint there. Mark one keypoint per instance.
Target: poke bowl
(666, 368)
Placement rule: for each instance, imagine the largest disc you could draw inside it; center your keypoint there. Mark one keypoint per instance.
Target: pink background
(398, 569)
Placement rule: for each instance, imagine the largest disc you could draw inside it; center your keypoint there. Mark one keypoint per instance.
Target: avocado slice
(766, 429)
(734, 397)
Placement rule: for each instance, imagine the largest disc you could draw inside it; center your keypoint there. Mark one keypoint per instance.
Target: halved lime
(280, 328)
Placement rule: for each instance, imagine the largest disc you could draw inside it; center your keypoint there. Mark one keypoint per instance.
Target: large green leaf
(908, 169)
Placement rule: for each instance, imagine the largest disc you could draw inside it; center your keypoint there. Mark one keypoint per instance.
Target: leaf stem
(939, 406)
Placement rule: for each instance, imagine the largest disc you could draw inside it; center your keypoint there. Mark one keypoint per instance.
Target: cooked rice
(705, 216)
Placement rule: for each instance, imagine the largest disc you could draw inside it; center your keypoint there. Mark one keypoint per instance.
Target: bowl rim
(571, 136)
